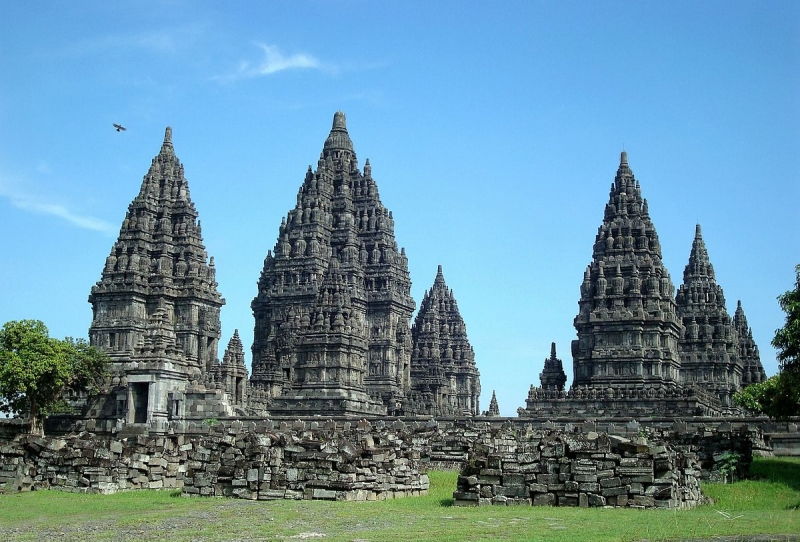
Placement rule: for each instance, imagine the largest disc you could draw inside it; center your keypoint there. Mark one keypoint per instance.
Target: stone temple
(641, 350)
(709, 344)
(334, 304)
(444, 378)
(156, 310)
(333, 309)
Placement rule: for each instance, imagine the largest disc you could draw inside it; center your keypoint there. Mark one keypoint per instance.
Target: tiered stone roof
(338, 215)
(752, 369)
(627, 325)
(444, 377)
(709, 345)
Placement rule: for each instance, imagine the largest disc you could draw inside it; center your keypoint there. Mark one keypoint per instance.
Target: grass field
(768, 503)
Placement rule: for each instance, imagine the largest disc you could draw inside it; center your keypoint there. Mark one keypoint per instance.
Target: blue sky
(493, 129)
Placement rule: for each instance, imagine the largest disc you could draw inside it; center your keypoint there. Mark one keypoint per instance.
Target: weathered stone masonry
(307, 461)
(592, 469)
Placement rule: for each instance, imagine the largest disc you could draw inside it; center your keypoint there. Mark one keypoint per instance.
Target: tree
(36, 369)
(787, 338)
(779, 396)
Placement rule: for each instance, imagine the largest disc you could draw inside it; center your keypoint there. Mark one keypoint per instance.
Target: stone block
(544, 499)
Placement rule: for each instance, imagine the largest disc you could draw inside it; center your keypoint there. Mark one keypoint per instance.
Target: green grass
(765, 504)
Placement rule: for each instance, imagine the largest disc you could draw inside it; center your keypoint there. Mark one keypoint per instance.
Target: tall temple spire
(338, 215)
(158, 279)
(627, 293)
(444, 377)
(709, 343)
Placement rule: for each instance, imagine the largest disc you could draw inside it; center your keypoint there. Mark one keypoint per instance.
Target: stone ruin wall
(553, 468)
(307, 461)
(450, 446)
(341, 460)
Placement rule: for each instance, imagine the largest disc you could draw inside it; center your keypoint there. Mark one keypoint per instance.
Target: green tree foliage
(787, 338)
(36, 369)
(779, 396)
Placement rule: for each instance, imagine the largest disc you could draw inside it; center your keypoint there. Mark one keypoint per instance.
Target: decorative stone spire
(444, 377)
(627, 325)
(752, 369)
(709, 344)
(158, 263)
(232, 372)
(494, 408)
(552, 376)
(338, 215)
(234, 353)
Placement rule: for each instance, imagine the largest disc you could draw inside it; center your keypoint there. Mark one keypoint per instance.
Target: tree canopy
(787, 338)
(779, 396)
(36, 369)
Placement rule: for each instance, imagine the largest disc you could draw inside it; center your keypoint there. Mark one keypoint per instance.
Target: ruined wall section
(302, 462)
(593, 469)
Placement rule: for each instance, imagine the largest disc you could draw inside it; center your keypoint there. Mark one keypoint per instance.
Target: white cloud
(165, 41)
(33, 204)
(275, 61)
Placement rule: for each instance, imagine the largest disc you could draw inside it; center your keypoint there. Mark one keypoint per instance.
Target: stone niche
(554, 468)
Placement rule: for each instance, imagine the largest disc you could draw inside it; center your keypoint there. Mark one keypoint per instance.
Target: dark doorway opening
(141, 393)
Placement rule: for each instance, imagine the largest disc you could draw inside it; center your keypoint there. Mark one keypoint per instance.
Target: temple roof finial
(698, 232)
(339, 121)
(623, 158)
(338, 140)
(552, 350)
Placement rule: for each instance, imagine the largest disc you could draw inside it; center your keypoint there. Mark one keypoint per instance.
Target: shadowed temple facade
(333, 310)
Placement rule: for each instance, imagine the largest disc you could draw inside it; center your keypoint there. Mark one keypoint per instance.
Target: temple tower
(627, 324)
(444, 377)
(709, 345)
(156, 306)
(338, 215)
(552, 376)
(752, 369)
(232, 371)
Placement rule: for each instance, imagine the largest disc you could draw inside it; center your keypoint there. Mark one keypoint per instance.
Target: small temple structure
(552, 376)
(709, 344)
(752, 370)
(444, 378)
(494, 408)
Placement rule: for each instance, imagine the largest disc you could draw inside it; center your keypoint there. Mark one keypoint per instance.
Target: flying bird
(119, 127)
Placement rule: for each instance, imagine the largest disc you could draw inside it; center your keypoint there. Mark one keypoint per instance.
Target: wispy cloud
(274, 61)
(38, 205)
(164, 41)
